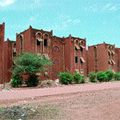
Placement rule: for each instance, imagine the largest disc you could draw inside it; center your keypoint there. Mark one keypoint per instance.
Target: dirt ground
(93, 105)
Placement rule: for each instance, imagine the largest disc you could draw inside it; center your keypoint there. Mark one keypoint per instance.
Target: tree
(30, 64)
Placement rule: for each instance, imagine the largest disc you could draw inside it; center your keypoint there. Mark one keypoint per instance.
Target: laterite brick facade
(75, 55)
(102, 57)
(62, 51)
(9, 54)
(67, 53)
(2, 29)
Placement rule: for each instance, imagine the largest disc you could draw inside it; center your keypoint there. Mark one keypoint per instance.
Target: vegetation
(102, 77)
(93, 77)
(117, 76)
(78, 78)
(110, 75)
(66, 78)
(30, 64)
(16, 81)
(32, 80)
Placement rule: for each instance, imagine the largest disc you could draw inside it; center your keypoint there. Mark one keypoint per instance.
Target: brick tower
(2, 29)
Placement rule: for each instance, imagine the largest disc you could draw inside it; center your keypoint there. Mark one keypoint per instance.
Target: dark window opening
(76, 49)
(81, 49)
(76, 59)
(45, 42)
(14, 54)
(21, 45)
(38, 42)
(81, 61)
(95, 51)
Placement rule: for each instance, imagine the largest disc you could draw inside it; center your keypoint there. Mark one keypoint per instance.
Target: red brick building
(117, 51)
(102, 57)
(9, 53)
(2, 29)
(75, 55)
(67, 54)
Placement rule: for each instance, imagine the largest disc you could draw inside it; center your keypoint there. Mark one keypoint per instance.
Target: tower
(2, 29)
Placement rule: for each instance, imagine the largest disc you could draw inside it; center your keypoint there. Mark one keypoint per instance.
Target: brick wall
(2, 29)
(101, 57)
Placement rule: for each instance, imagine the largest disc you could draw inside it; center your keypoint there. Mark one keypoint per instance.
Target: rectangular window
(76, 59)
(45, 42)
(38, 42)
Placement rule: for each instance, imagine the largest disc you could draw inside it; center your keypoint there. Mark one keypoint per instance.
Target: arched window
(46, 38)
(39, 38)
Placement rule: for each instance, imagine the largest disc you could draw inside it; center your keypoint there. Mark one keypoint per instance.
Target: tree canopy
(29, 63)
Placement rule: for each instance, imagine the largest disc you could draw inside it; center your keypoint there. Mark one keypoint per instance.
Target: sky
(96, 20)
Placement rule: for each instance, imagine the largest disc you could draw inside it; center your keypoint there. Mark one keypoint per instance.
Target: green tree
(30, 64)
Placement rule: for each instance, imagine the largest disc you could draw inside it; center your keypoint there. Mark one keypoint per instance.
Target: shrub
(32, 81)
(78, 78)
(110, 75)
(93, 77)
(117, 76)
(16, 81)
(66, 78)
(30, 64)
(102, 77)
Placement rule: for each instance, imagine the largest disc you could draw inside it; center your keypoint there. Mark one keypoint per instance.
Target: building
(2, 29)
(117, 51)
(67, 54)
(102, 57)
(9, 54)
(75, 55)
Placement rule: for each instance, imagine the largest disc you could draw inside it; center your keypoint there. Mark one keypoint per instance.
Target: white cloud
(108, 7)
(111, 7)
(64, 22)
(4, 3)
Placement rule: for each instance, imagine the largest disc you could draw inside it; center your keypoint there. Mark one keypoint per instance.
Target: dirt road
(91, 104)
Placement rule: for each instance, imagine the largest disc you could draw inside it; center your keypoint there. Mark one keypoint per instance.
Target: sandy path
(78, 102)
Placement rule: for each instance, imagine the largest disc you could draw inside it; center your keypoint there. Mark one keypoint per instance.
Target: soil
(87, 105)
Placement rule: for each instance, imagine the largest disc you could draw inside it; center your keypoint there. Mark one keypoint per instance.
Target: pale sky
(96, 20)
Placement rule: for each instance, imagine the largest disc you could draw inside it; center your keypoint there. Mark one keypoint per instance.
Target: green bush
(16, 81)
(32, 81)
(93, 77)
(30, 64)
(117, 76)
(110, 75)
(78, 78)
(66, 78)
(102, 77)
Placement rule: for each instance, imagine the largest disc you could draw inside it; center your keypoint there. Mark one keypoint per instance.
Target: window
(77, 47)
(38, 42)
(81, 48)
(76, 59)
(14, 54)
(38, 36)
(95, 51)
(45, 42)
(14, 51)
(82, 60)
